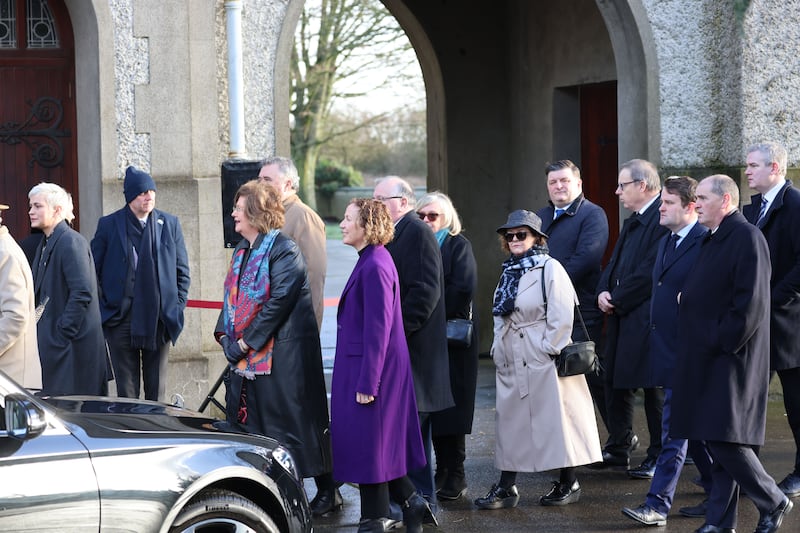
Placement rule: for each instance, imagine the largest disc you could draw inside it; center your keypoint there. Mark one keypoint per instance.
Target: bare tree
(341, 47)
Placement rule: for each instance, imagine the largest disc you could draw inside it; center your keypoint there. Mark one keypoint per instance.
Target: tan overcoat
(306, 228)
(19, 352)
(543, 422)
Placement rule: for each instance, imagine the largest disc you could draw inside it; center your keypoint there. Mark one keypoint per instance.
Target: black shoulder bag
(575, 358)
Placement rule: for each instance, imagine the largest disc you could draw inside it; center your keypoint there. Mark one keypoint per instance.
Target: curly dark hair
(263, 205)
(374, 218)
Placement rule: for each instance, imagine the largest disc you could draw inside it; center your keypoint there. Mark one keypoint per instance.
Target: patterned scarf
(246, 292)
(513, 268)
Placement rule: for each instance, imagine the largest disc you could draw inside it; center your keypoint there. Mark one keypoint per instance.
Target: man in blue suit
(776, 210)
(143, 276)
(676, 256)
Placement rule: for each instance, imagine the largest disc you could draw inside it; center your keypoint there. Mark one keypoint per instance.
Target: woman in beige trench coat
(543, 422)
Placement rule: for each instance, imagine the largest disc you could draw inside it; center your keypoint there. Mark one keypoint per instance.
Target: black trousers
(375, 496)
(620, 403)
(790, 381)
(738, 465)
(133, 364)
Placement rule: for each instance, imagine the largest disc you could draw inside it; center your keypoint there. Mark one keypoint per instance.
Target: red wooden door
(37, 105)
(599, 159)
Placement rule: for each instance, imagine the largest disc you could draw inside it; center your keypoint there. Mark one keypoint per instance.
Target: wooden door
(37, 105)
(599, 159)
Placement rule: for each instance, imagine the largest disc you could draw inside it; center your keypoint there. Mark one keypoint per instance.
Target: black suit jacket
(781, 228)
(418, 259)
(629, 278)
(668, 279)
(722, 369)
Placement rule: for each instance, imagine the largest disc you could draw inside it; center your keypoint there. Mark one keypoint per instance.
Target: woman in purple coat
(374, 425)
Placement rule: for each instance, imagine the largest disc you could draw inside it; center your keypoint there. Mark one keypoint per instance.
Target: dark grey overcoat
(72, 348)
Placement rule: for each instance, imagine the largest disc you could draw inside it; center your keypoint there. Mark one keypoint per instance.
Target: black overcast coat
(781, 228)
(722, 371)
(629, 278)
(460, 282)
(418, 260)
(72, 348)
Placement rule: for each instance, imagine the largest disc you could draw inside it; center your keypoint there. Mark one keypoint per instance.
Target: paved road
(604, 492)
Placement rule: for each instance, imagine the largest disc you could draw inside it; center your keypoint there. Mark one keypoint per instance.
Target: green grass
(332, 231)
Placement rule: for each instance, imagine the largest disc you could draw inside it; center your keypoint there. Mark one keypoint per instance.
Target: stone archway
(434, 92)
(94, 94)
(637, 78)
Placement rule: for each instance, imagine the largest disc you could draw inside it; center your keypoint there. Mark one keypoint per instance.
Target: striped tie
(762, 212)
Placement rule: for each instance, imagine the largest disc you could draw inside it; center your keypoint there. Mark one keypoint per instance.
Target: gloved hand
(233, 353)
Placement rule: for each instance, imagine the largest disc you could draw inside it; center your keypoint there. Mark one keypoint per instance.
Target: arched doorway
(38, 134)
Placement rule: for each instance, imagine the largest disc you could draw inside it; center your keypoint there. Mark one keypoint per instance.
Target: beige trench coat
(543, 422)
(19, 351)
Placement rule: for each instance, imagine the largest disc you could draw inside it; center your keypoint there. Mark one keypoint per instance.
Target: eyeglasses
(621, 185)
(384, 198)
(237, 209)
(430, 216)
(520, 236)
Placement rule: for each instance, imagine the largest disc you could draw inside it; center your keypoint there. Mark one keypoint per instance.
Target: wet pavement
(604, 492)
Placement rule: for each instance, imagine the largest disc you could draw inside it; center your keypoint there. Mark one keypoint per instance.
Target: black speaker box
(235, 173)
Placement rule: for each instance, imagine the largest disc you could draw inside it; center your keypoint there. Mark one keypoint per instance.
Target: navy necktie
(762, 212)
(559, 212)
(669, 250)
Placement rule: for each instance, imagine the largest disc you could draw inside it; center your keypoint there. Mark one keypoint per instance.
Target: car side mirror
(24, 419)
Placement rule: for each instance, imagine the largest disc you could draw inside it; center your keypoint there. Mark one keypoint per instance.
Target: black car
(111, 464)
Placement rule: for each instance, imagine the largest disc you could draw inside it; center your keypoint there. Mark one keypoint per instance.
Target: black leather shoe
(646, 470)
(611, 460)
(790, 485)
(376, 525)
(562, 494)
(634, 444)
(695, 511)
(326, 502)
(772, 522)
(499, 498)
(646, 515)
(706, 528)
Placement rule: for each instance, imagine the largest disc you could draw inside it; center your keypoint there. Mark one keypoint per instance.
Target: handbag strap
(577, 309)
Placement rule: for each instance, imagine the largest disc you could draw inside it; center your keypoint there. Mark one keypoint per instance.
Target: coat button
(659, 283)
(516, 309)
(521, 335)
(524, 363)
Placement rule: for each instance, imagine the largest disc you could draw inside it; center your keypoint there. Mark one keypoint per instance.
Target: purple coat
(379, 441)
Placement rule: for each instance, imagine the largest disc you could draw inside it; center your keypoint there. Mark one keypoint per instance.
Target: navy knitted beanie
(136, 182)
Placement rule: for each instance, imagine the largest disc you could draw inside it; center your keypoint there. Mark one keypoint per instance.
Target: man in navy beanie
(143, 276)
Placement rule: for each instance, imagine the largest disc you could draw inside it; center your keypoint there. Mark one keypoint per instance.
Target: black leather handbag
(459, 331)
(575, 358)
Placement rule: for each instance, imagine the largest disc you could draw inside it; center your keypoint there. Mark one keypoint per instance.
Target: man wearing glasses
(578, 231)
(623, 294)
(416, 255)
